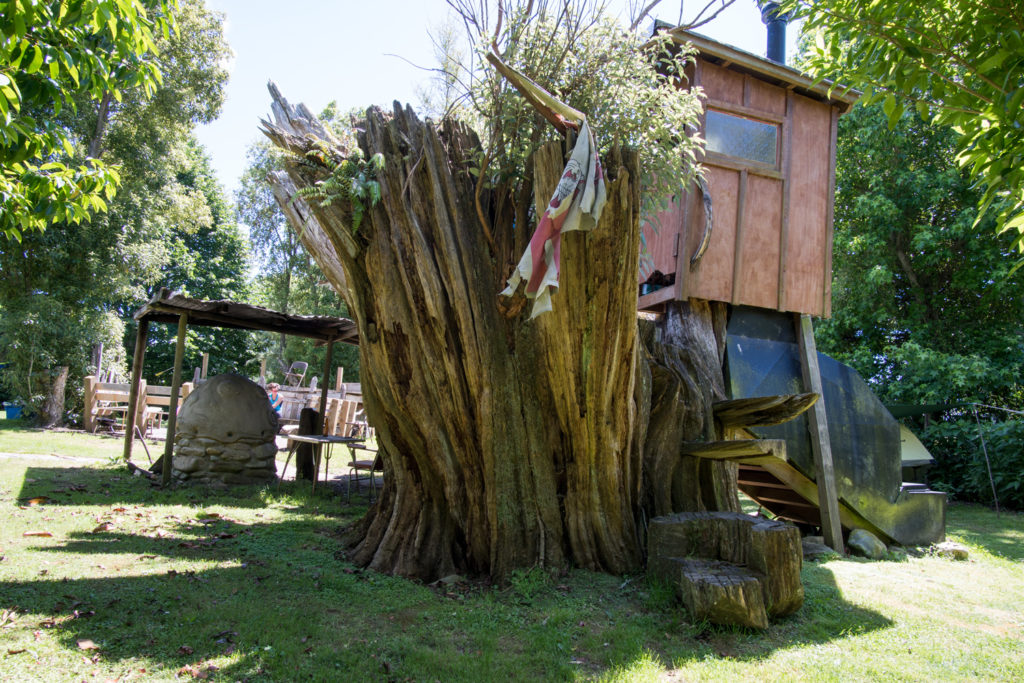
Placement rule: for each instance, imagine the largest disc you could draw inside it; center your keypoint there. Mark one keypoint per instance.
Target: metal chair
(357, 466)
(296, 373)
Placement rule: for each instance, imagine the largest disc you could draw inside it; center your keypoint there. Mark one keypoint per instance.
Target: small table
(322, 451)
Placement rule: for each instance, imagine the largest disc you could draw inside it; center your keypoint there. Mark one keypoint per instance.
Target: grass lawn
(104, 577)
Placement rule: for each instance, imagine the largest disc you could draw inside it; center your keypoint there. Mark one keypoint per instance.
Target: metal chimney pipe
(776, 23)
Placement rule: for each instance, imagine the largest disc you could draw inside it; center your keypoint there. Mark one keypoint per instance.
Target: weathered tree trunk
(685, 355)
(52, 412)
(304, 465)
(507, 442)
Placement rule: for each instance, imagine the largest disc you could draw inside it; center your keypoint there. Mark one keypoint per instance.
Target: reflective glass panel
(741, 137)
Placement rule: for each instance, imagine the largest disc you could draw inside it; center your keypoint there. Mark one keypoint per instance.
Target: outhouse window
(742, 137)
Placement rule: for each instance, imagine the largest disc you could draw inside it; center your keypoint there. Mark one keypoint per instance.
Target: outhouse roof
(767, 70)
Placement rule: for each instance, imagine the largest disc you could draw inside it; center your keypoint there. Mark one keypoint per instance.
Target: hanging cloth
(575, 205)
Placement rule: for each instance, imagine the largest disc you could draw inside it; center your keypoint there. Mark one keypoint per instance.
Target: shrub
(960, 468)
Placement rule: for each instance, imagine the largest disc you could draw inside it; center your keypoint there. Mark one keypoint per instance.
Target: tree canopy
(70, 287)
(959, 62)
(289, 280)
(54, 54)
(924, 304)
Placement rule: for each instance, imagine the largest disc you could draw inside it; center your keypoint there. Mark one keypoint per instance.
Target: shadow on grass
(62, 485)
(1001, 535)
(825, 617)
(277, 601)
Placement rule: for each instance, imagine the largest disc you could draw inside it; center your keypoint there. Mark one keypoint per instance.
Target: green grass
(253, 584)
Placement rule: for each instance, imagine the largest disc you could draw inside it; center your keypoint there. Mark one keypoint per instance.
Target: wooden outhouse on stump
(766, 251)
(770, 177)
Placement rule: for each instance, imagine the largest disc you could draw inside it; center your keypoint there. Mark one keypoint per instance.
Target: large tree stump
(728, 567)
(506, 442)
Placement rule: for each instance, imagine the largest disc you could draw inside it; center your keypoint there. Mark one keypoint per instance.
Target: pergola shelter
(170, 307)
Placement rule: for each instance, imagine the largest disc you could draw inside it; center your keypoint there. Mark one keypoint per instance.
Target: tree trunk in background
(507, 442)
(52, 412)
(304, 464)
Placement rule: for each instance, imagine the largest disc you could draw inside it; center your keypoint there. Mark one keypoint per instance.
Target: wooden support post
(141, 335)
(172, 411)
(206, 365)
(98, 358)
(263, 372)
(340, 380)
(821, 446)
(323, 389)
(141, 409)
(88, 418)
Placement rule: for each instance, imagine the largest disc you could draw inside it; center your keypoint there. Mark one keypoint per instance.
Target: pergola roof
(167, 306)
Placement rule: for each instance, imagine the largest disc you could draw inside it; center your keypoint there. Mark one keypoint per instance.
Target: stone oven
(225, 434)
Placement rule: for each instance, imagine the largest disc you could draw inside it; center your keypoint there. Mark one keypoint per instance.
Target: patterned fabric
(575, 205)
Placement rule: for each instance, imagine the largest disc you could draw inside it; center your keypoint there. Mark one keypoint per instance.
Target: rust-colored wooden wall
(771, 238)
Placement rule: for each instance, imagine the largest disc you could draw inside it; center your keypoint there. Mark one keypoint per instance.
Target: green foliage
(924, 305)
(924, 302)
(168, 224)
(958, 62)
(595, 65)
(40, 334)
(353, 181)
(208, 259)
(289, 280)
(960, 467)
(53, 55)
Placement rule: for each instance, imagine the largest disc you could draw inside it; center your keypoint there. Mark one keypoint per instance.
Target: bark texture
(506, 442)
(52, 412)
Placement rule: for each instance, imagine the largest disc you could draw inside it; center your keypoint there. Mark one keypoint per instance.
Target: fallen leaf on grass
(119, 510)
(105, 526)
(15, 651)
(87, 645)
(185, 650)
(39, 500)
(37, 533)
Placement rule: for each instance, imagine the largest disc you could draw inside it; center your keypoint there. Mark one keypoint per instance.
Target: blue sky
(322, 50)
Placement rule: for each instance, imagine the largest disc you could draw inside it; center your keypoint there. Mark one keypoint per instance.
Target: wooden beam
(206, 365)
(323, 389)
(787, 186)
(737, 255)
(172, 413)
(339, 381)
(826, 304)
(138, 358)
(821, 445)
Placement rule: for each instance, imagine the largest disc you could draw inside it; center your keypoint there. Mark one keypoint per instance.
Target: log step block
(727, 567)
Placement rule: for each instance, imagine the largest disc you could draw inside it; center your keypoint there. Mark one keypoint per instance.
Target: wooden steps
(761, 411)
(765, 473)
(737, 450)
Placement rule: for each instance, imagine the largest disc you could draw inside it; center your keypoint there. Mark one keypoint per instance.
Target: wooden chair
(356, 466)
